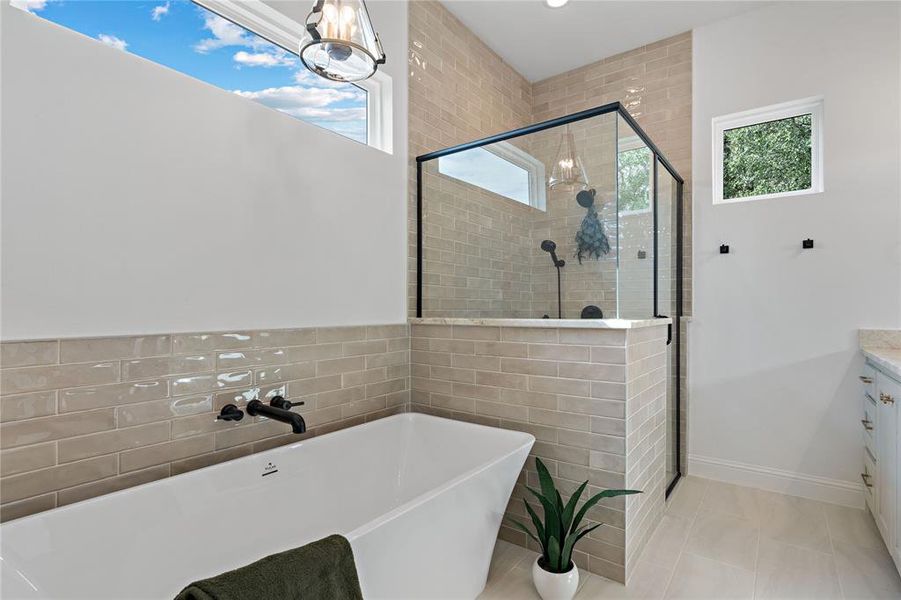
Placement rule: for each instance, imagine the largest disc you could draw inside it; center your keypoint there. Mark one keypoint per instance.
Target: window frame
(533, 167)
(812, 106)
(279, 29)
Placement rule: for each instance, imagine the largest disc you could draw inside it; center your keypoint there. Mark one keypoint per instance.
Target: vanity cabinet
(887, 458)
(881, 473)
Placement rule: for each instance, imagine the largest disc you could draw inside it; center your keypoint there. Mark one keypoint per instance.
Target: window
(196, 41)
(769, 152)
(501, 168)
(635, 174)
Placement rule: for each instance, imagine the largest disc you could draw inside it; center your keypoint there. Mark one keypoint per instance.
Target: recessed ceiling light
(555, 3)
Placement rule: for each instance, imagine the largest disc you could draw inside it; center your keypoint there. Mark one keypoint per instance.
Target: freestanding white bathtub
(420, 499)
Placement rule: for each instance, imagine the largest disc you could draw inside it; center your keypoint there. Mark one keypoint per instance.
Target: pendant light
(339, 42)
(568, 173)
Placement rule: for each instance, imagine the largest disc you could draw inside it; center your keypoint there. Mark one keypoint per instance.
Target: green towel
(323, 570)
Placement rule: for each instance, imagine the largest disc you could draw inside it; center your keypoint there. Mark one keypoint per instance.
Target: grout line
(838, 579)
(691, 526)
(756, 563)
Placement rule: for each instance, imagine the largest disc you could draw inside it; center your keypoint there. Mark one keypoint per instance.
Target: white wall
(136, 199)
(773, 348)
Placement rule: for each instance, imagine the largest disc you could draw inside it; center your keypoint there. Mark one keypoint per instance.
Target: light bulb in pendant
(568, 172)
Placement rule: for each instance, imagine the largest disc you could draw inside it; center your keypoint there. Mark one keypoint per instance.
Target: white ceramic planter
(555, 586)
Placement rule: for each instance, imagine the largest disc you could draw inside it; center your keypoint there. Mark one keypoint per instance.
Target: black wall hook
(806, 244)
(724, 249)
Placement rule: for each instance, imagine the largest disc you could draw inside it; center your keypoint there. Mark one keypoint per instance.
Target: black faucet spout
(298, 425)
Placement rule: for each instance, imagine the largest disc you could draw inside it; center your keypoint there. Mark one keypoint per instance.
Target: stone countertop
(887, 359)
(548, 323)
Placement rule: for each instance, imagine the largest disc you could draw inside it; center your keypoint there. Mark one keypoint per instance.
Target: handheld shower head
(551, 248)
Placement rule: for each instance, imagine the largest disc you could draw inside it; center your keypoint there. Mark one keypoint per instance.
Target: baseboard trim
(834, 491)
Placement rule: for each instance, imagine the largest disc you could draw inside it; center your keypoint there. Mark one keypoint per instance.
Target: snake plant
(558, 533)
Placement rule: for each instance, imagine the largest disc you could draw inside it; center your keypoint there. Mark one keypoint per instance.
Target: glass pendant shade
(339, 42)
(568, 173)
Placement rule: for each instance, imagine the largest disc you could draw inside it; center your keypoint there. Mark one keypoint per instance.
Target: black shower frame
(659, 158)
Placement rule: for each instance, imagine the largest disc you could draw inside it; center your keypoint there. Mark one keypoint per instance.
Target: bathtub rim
(354, 533)
(445, 486)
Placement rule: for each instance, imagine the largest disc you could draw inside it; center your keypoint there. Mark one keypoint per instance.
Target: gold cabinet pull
(865, 379)
(886, 399)
(867, 424)
(866, 479)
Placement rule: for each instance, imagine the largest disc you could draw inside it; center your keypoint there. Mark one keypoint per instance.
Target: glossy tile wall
(85, 417)
(476, 250)
(460, 90)
(654, 84)
(593, 398)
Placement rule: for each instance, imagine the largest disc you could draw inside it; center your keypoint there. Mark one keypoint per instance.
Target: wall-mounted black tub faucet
(278, 410)
(551, 248)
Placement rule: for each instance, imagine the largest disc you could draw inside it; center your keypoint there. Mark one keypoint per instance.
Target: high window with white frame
(771, 152)
(244, 47)
(500, 168)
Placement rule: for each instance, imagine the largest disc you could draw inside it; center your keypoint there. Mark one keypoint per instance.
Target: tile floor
(724, 541)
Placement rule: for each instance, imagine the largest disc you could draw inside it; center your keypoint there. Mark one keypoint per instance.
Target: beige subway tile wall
(593, 398)
(459, 90)
(476, 251)
(646, 443)
(654, 84)
(85, 417)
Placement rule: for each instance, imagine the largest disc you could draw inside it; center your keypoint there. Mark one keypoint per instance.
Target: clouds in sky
(159, 12)
(29, 5)
(277, 58)
(332, 114)
(294, 99)
(316, 106)
(234, 58)
(225, 33)
(112, 41)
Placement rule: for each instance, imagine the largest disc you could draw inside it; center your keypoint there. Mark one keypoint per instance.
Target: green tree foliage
(634, 179)
(767, 158)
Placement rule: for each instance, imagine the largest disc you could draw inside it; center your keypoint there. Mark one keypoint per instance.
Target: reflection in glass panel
(635, 275)
(635, 173)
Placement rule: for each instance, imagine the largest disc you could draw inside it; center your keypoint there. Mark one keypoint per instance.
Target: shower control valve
(230, 412)
(280, 402)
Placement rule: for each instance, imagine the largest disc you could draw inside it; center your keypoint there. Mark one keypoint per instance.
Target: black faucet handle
(280, 402)
(230, 412)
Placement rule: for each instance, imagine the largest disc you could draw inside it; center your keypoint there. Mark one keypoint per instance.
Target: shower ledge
(547, 323)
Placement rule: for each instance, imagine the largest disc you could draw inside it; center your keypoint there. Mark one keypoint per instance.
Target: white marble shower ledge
(547, 323)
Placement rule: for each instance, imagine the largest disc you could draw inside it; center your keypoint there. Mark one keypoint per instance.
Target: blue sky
(191, 39)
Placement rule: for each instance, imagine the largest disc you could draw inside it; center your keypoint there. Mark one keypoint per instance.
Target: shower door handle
(669, 329)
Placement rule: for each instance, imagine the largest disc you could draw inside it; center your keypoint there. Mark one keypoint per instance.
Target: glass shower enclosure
(578, 217)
